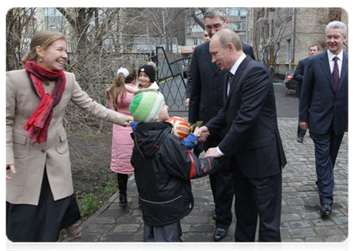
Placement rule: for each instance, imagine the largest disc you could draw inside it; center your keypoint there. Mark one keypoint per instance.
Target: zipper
(164, 202)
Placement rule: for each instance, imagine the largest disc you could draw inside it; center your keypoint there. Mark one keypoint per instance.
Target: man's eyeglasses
(215, 26)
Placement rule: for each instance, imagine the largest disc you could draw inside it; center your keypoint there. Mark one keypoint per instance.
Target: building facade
(194, 32)
(281, 36)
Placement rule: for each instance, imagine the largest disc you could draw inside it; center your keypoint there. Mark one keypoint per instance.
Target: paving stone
(99, 228)
(328, 231)
(130, 228)
(300, 224)
(303, 232)
(290, 217)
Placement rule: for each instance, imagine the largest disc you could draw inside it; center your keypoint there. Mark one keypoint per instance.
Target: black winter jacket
(163, 167)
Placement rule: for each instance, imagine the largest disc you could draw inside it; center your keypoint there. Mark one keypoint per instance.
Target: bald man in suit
(252, 142)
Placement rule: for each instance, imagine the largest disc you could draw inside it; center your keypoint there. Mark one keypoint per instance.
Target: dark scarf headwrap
(37, 125)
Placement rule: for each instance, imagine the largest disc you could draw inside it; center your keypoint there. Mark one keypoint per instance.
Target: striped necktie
(335, 74)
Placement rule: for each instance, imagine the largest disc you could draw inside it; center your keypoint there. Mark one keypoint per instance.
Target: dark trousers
(122, 183)
(167, 233)
(222, 186)
(326, 151)
(257, 198)
(221, 183)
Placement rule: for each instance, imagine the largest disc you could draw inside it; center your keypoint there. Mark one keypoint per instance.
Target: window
(237, 26)
(53, 20)
(198, 14)
(236, 11)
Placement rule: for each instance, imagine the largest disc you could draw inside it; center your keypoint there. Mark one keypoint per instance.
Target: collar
(237, 64)
(331, 55)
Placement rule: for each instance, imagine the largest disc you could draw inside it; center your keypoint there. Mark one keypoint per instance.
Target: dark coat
(299, 75)
(320, 106)
(206, 90)
(163, 167)
(249, 114)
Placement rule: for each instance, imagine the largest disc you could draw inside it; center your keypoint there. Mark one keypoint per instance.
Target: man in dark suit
(299, 76)
(324, 108)
(252, 141)
(206, 38)
(205, 101)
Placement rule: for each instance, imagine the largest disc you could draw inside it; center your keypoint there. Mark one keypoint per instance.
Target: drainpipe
(293, 22)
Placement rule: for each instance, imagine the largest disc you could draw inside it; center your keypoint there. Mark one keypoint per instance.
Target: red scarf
(37, 125)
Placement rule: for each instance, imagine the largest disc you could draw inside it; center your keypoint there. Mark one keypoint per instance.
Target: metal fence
(171, 75)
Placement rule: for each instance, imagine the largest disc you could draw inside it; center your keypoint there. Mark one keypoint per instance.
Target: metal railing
(172, 80)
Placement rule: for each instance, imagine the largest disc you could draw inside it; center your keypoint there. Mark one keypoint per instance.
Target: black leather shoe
(326, 210)
(220, 233)
(214, 215)
(300, 139)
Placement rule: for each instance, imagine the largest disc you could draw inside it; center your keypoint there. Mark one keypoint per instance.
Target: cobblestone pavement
(300, 220)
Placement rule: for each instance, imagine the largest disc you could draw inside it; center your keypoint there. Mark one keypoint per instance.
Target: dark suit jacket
(319, 104)
(299, 75)
(249, 114)
(248, 50)
(206, 90)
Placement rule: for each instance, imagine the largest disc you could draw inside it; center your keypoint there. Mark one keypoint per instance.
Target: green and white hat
(146, 106)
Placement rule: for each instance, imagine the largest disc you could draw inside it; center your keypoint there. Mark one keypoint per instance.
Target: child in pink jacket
(120, 96)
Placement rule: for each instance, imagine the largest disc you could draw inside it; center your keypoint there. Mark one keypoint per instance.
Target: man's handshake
(202, 133)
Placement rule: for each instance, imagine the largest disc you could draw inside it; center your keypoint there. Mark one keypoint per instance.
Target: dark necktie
(229, 81)
(335, 74)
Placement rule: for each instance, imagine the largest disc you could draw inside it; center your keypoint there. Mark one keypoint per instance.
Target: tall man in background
(205, 102)
(206, 38)
(324, 108)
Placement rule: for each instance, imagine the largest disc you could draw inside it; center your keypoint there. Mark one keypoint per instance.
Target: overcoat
(30, 161)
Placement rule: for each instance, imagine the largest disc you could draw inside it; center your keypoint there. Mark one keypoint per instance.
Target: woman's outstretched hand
(12, 169)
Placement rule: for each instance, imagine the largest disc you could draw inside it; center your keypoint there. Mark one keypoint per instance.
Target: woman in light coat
(40, 199)
(120, 96)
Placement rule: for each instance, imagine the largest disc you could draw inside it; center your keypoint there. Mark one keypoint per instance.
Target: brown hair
(318, 48)
(43, 39)
(118, 86)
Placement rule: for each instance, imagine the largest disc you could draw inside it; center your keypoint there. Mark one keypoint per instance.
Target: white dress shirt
(233, 71)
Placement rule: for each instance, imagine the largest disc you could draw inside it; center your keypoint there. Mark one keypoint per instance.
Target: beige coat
(29, 161)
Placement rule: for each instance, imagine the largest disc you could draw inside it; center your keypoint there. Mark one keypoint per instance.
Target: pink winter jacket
(122, 143)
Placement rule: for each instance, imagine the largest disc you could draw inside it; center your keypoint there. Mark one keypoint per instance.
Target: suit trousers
(167, 233)
(223, 189)
(221, 183)
(257, 198)
(326, 151)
